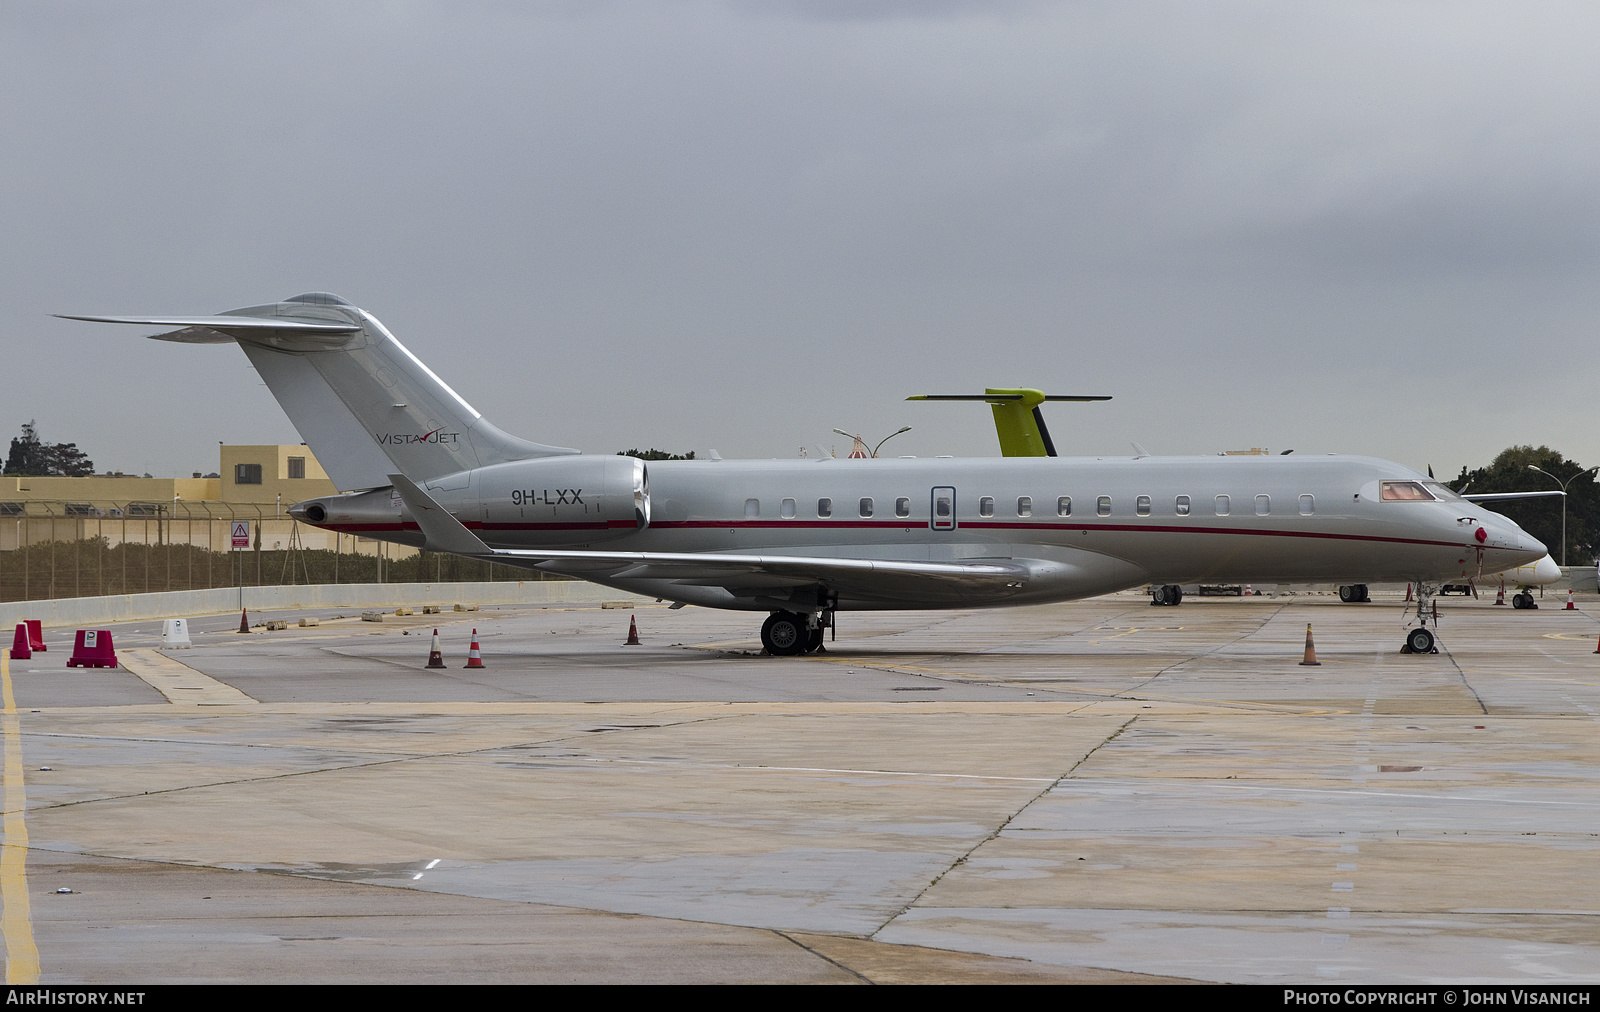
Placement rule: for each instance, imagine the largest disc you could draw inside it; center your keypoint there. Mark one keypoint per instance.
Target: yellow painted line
(179, 682)
(16, 922)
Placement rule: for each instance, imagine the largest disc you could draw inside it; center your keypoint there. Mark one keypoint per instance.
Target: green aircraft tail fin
(1017, 419)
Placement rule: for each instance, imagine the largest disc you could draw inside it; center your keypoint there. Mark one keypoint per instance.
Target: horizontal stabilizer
(991, 398)
(227, 323)
(275, 331)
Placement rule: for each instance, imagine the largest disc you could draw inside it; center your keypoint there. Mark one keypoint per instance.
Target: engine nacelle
(573, 500)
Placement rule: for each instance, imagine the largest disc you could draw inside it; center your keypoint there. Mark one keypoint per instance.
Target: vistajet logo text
(404, 438)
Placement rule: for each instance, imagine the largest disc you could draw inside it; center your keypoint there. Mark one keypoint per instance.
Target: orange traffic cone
(1500, 595)
(1311, 651)
(21, 649)
(1597, 648)
(1570, 605)
(244, 620)
(435, 655)
(633, 633)
(474, 655)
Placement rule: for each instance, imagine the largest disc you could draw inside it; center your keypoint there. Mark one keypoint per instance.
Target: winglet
(444, 533)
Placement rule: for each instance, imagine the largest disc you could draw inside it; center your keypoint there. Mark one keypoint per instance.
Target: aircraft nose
(1545, 571)
(1526, 544)
(1496, 531)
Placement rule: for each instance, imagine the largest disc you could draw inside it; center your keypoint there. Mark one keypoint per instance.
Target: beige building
(254, 483)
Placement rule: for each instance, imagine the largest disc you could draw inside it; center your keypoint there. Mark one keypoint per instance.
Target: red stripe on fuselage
(901, 523)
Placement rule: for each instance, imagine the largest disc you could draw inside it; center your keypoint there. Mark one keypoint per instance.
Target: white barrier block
(175, 634)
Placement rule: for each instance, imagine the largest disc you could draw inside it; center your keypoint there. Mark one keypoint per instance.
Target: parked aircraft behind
(805, 539)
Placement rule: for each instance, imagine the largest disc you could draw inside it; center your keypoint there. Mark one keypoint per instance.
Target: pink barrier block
(91, 648)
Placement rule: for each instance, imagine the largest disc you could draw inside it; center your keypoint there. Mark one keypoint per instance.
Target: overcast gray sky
(1356, 227)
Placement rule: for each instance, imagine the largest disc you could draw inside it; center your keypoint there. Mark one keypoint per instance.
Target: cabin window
(786, 509)
(1223, 505)
(1308, 505)
(1180, 505)
(1025, 506)
(941, 507)
(866, 506)
(1102, 505)
(297, 467)
(1064, 506)
(1263, 505)
(824, 508)
(902, 507)
(752, 508)
(986, 506)
(1141, 505)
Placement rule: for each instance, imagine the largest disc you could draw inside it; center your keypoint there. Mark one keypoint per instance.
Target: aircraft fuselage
(1092, 525)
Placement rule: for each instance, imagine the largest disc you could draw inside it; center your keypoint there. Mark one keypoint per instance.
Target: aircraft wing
(869, 577)
(1497, 496)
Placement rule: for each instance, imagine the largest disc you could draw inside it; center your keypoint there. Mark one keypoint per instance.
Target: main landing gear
(787, 634)
(1421, 640)
(1355, 593)
(1166, 594)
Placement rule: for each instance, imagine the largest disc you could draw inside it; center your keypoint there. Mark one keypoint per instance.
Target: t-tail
(365, 405)
(1017, 419)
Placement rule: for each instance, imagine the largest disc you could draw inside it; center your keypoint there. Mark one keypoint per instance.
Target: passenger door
(942, 513)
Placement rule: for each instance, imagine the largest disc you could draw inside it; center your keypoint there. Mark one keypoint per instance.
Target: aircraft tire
(1419, 641)
(1348, 595)
(784, 634)
(1363, 594)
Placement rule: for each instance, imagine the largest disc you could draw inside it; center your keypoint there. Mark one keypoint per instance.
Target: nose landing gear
(1421, 640)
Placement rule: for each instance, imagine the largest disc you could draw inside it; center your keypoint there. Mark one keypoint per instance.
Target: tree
(1510, 472)
(31, 456)
(654, 454)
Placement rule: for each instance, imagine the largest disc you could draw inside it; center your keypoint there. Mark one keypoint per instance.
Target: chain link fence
(56, 549)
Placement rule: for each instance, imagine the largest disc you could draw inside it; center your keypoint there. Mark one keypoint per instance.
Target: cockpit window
(1404, 491)
(1442, 491)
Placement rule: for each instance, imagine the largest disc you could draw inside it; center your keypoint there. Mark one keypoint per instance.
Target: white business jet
(804, 539)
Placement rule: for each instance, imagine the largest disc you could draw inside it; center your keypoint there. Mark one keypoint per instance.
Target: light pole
(885, 439)
(1563, 484)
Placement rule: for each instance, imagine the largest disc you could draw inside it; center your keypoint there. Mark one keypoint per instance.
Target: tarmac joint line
(958, 862)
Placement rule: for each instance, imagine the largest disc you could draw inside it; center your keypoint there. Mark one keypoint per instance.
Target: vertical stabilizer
(365, 405)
